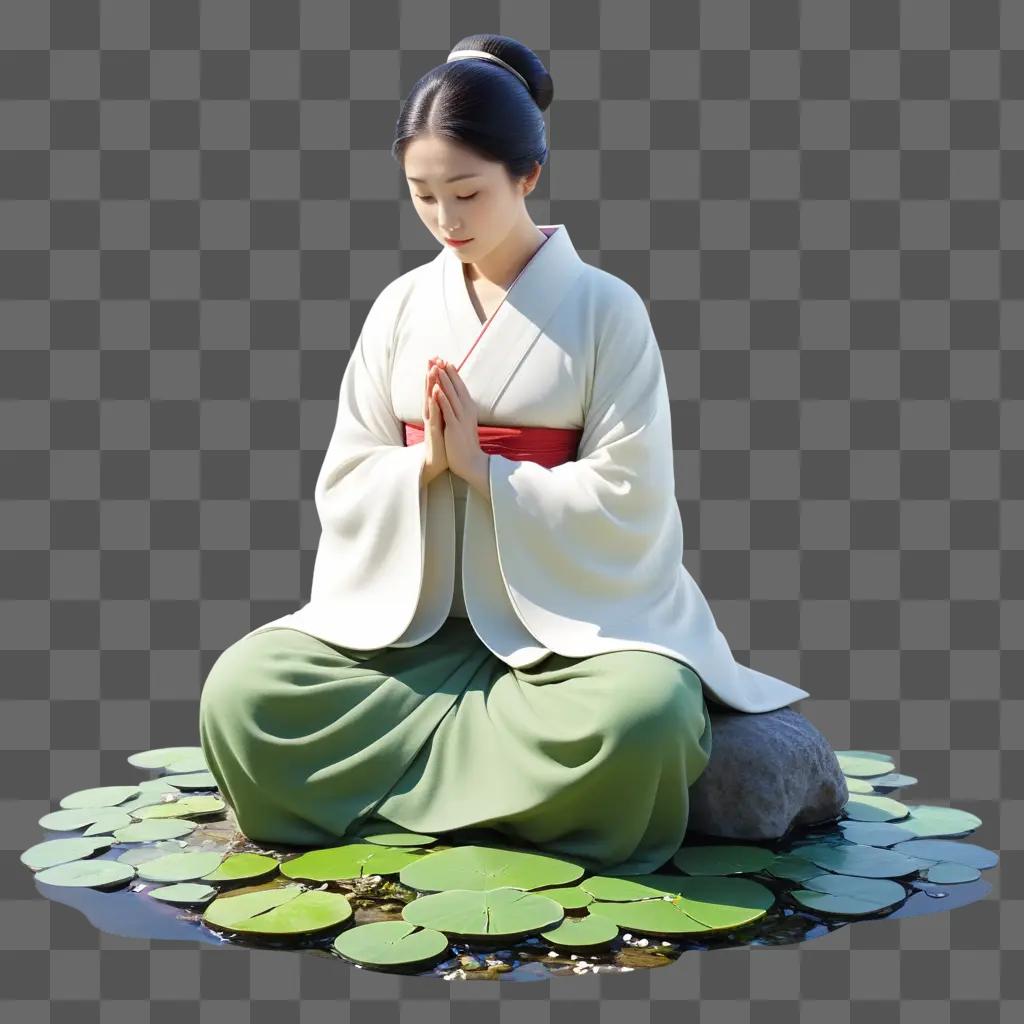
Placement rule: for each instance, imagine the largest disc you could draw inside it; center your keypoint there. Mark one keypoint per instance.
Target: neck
(501, 266)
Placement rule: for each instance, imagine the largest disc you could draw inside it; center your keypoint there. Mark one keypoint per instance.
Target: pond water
(129, 910)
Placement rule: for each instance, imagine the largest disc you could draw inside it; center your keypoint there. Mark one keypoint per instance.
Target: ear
(531, 179)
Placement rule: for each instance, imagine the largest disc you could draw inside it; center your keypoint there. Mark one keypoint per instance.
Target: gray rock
(768, 773)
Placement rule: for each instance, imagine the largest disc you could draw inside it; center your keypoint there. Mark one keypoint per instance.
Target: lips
(458, 241)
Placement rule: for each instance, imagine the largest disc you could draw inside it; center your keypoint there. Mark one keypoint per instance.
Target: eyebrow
(458, 177)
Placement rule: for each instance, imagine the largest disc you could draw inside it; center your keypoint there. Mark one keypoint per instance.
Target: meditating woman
(501, 632)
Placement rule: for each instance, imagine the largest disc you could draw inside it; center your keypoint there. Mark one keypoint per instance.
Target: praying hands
(463, 454)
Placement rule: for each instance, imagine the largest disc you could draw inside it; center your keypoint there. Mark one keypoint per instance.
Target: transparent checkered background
(823, 203)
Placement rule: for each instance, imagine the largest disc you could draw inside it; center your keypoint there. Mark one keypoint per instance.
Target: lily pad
(186, 807)
(191, 780)
(353, 860)
(722, 859)
(502, 912)
(243, 866)
(100, 796)
(73, 818)
(710, 903)
(793, 867)
(112, 818)
(147, 831)
(863, 861)
(162, 757)
(623, 888)
(487, 868)
(875, 808)
(571, 897)
(863, 763)
(391, 944)
(949, 851)
(94, 874)
(927, 820)
(854, 785)
(593, 931)
(399, 839)
(159, 786)
(894, 780)
(949, 873)
(289, 910)
(875, 833)
(184, 893)
(180, 867)
(61, 851)
(847, 894)
(140, 854)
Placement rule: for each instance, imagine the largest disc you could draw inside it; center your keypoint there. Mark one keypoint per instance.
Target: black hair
(482, 105)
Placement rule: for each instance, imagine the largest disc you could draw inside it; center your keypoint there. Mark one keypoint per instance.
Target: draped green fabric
(589, 758)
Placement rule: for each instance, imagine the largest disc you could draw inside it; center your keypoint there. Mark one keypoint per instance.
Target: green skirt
(588, 758)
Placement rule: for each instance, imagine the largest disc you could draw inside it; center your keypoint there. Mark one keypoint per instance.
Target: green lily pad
(353, 860)
(290, 910)
(93, 874)
(391, 944)
(243, 866)
(849, 895)
(159, 786)
(191, 780)
(502, 912)
(875, 808)
(73, 818)
(949, 851)
(399, 839)
(949, 873)
(927, 820)
(140, 854)
(184, 866)
(894, 780)
(113, 818)
(863, 763)
(793, 867)
(622, 888)
(722, 859)
(485, 868)
(570, 897)
(703, 904)
(855, 785)
(147, 831)
(184, 893)
(162, 757)
(592, 931)
(186, 807)
(145, 799)
(863, 861)
(180, 867)
(61, 851)
(875, 833)
(100, 796)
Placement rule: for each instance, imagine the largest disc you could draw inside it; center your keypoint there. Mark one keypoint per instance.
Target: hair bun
(518, 56)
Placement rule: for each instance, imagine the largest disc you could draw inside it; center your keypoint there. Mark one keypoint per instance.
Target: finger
(459, 383)
(446, 406)
(449, 389)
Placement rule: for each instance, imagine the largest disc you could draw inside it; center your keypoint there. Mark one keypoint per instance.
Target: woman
(501, 632)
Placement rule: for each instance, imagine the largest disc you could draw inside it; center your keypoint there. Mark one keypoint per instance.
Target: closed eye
(429, 199)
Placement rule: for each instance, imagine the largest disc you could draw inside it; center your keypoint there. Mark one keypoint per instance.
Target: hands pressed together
(450, 427)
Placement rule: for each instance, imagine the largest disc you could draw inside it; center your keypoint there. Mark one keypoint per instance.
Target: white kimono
(579, 559)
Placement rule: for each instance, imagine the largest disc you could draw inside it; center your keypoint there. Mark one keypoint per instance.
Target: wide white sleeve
(590, 550)
(368, 495)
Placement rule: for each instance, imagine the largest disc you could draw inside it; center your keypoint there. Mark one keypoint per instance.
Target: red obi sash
(548, 446)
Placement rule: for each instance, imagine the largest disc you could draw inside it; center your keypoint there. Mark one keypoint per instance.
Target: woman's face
(484, 205)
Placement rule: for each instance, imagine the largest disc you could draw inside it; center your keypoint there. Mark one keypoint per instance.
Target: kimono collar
(533, 297)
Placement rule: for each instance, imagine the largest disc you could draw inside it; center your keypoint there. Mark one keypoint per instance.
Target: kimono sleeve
(369, 498)
(590, 550)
